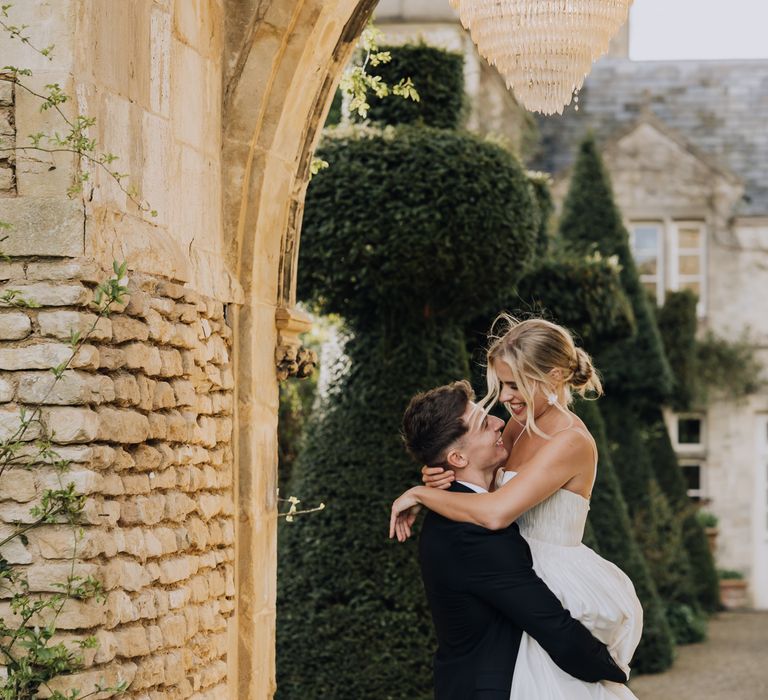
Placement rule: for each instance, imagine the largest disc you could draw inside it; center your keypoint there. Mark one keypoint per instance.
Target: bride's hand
(437, 477)
(404, 512)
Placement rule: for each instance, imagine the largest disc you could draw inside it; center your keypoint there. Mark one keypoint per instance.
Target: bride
(534, 368)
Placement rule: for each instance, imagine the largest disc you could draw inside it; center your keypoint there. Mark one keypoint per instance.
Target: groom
(480, 583)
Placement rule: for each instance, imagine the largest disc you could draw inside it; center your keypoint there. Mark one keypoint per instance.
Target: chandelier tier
(543, 48)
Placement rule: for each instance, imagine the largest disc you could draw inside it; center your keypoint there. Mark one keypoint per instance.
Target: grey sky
(680, 29)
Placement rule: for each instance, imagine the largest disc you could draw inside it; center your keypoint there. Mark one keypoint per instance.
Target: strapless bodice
(560, 519)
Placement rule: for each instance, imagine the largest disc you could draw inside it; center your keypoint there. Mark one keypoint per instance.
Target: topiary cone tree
(586, 296)
(636, 373)
(407, 233)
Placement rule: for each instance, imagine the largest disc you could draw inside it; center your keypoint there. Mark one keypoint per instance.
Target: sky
(687, 29)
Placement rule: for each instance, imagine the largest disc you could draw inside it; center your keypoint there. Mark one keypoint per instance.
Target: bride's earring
(552, 398)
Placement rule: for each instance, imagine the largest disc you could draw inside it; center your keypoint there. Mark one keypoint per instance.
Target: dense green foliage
(703, 575)
(591, 221)
(389, 246)
(582, 293)
(614, 533)
(726, 368)
(438, 76)
(352, 617)
(677, 325)
(544, 210)
(386, 235)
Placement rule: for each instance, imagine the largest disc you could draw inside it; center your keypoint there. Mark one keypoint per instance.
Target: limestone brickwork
(145, 416)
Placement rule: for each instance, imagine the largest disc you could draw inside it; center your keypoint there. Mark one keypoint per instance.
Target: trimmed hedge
(583, 294)
(414, 221)
(545, 208)
(405, 235)
(703, 582)
(613, 530)
(677, 324)
(438, 76)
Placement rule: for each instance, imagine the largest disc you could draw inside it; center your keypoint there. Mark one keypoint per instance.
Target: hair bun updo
(583, 371)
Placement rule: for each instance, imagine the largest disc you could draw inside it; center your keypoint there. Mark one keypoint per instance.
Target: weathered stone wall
(145, 415)
(7, 140)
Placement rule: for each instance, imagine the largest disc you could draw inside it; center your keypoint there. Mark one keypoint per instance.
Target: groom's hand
(437, 477)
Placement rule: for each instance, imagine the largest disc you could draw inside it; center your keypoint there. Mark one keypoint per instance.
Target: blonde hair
(531, 349)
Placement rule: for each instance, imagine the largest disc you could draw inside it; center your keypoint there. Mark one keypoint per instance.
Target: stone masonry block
(147, 458)
(86, 481)
(171, 363)
(143, 357)
(126, 390)
(62, 234)
(183, 336)
(86, 681)
(74, 387)
(111, 358)
(146, 392)
(143, 510)
(11, 425)
(11, 271)
(7, 389)
(121, 425)
(48, 576)
(160, 330)
(126, 574)
(47, 294)
(60, 324)
(164, 396)
(164, 306)
(66, 425)
(83, 270)
(14, 551)
(157, 427)
(45, 356)
(125, 328)
(14, 325)
(132, 641)
(185, 392)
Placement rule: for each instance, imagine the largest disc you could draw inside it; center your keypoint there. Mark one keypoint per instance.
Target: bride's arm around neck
(566, 455)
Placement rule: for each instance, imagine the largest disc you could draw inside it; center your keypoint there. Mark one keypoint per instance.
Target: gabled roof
(718, 110)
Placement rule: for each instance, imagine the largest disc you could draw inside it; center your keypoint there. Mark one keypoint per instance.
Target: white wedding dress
(595, 592)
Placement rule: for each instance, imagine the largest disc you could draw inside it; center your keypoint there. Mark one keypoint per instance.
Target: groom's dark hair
(433, 422)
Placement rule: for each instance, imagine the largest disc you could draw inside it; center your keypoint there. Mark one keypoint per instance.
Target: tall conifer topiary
(585, 295)
(635, 370)
(405, 235)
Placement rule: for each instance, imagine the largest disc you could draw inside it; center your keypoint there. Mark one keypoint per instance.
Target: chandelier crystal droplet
(543, 48)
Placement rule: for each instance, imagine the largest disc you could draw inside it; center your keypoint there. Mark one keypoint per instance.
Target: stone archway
(282, 65)
(215, 107)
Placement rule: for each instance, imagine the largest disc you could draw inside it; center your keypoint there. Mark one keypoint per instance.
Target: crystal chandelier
(543, 48)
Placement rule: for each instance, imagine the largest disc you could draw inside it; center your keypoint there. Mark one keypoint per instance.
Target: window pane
(690, 264)
(646, 238)
(650, 287)
(689, 237)
(692, 474)
(689, 431)
(646, 264)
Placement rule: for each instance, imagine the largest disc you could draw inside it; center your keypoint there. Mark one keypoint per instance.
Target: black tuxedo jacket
(483, 593)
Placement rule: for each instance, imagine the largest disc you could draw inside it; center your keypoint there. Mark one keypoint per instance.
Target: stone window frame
(689, 448)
